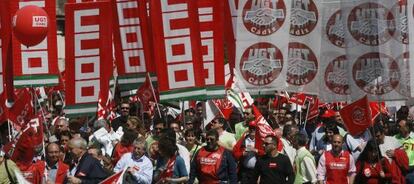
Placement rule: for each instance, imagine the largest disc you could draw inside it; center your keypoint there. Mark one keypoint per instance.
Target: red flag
(225, 106)
(115, 178)
(377, 109)
(88, 39)
(105, 108)
(263, 129)
(145, 93)
(299, 98)
(22, 109)
(30, 141)
(357, 116)
(313, 108)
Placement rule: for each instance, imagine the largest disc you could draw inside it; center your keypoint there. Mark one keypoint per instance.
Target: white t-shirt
(390, 143)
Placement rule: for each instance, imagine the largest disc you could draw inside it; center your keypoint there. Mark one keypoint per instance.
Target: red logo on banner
(399, 11)
(403, 86)
(261, 63)
(371, 24)
(358, 115)
(376, 73)
(303, 64)
(264, 17)
(304, 17)
(336, 76)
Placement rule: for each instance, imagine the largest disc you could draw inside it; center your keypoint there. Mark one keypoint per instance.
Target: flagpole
(307, 114)
(44, 118)
(153, 93)
(9, 129)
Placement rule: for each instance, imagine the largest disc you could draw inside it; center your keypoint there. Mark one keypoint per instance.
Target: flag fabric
(211, 112)
(105, 108)
(230, 31)
(36, 65)
(132, 44)
(145, 94)
(377, 108)
(313, 110)
(88, 38)
(29, 142)
(357, 116)
(178, 57)
(263, 129)
(211, 16)
(116, 178)
(225, 106)
(299, 98)
(21, 110)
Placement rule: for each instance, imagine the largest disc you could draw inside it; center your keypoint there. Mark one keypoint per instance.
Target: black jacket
(90, 170)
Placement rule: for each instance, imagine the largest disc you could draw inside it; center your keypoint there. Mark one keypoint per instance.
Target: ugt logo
(304, 17)
(264, 17)
(261, 63)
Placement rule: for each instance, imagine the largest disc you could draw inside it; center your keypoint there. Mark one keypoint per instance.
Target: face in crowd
(337, 142)
(211, 141)
(139, 150)
(269, 144)
(158, 128)
(125, 109)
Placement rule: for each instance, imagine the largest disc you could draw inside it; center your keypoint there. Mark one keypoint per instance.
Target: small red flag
(357, 116)
(145, 93)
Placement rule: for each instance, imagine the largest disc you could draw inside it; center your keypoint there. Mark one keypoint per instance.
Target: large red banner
(37, 65)
(88, 31)
(132, 43)
(211, 15)
(178, 57)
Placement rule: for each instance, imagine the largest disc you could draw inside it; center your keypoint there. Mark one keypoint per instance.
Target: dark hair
(158, 120)
(378, 128)
(213, 132)
(287, 129)
(128, 137)
(168, 133)
(370, 147)
(189, 132)
(275, 140)
(167, 146)
(332, 127)
(301, 139)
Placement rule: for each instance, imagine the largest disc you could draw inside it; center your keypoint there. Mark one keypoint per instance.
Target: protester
(122, 119)
(246, 154)
(191, 142)
(371, 167)
(136, 163)
(273, 167)
(86, 168)
(289, 132)
(56, 170)
(8, 169)
(304, 161)
(226, 139)
(213, 163)
(170, 167)
(336, 166)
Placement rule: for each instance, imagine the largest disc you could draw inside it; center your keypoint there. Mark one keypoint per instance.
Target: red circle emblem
(261, 63)
(376, 73)
(336, 76)
(303, 65)
(403, 86)
(264, 17)
(399, 11)
(304, 17)
(335, 30)
(371, 24)
(358, 115)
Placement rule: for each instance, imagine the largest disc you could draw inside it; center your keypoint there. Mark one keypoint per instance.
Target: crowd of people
(160, 147)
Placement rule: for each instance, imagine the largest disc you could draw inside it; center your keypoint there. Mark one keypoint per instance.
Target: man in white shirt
(137, 164)
(226, 139)
(356, 144)
(289, 132)
(304, 161)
